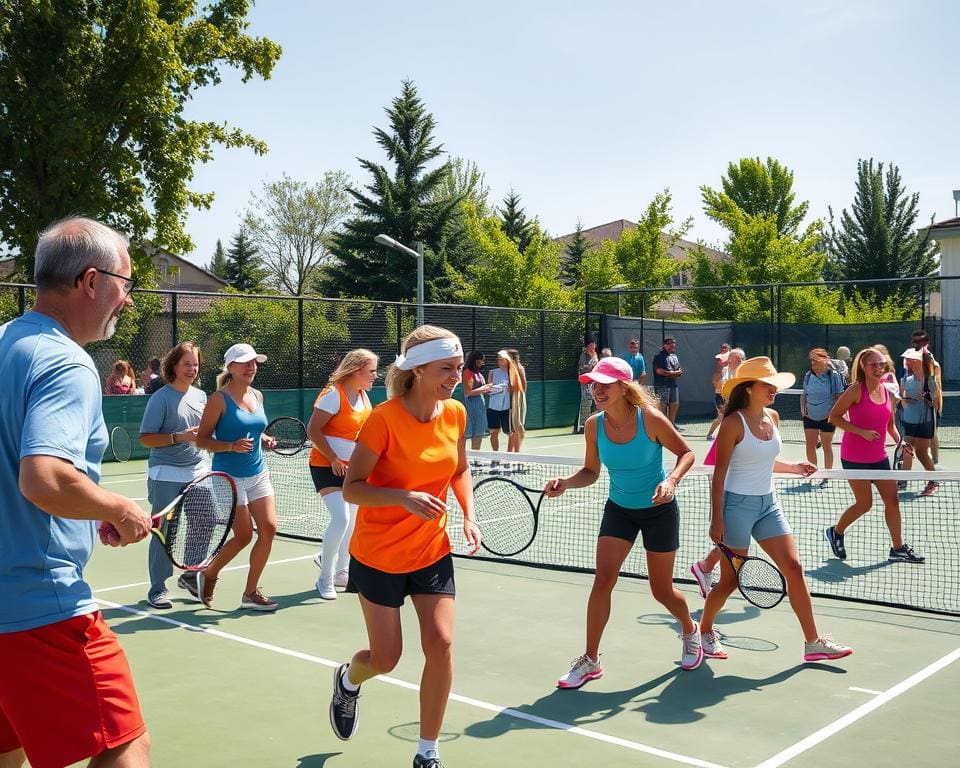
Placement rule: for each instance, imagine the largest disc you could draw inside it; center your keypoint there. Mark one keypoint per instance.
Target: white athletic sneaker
(710, 641)
(326, 590)
(341, 577)
(824, 649)
(582, 670)
(702, 578)
(692, 653)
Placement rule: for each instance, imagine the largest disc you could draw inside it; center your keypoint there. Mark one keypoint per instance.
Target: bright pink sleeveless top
(867, 415)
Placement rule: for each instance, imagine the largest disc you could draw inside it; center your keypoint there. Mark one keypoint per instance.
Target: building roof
(948, 227)
(613, 230)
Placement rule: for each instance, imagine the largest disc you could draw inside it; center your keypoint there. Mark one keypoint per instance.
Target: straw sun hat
(758, 369)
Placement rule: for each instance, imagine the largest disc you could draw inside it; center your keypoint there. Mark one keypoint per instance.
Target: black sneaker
(836, 543)
(343, 707)
(426, 762)
(904, 555)
(188, 581)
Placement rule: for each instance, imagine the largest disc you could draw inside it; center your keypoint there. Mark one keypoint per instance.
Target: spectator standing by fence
(474, 388)
(588, 359)
(518, 401)
(637, 364)
(666, 378)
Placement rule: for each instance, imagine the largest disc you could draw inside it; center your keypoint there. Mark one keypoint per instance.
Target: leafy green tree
(293, 223)
(515, 223)
(756, 188)
(244, 269)
(400, 204)
(92, 112)
(576, 249)
(878, 237)
(218, 264)
(503, 276)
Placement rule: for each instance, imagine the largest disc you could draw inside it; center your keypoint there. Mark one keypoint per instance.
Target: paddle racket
(507, 514)
(289, 435)
(759, 581)
(194, 526)
(120, 444)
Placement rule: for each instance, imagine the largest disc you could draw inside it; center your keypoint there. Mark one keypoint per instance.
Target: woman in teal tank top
(628, 437)
(232, 429)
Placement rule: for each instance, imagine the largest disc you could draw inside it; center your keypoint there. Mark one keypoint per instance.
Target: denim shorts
(758, 516)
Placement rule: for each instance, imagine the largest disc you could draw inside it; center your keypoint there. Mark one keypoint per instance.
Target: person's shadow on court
(836, 571)
(687, 696)
(562, 707)
(316, 761)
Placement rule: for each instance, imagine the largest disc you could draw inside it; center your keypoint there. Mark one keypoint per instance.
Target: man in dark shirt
(666, 375)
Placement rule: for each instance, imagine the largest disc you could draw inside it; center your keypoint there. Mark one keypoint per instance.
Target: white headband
(428, 352)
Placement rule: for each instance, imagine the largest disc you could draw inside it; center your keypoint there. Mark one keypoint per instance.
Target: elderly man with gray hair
(57, 708)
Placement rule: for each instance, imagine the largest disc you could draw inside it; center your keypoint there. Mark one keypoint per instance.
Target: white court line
(118, 482)
(862, 711)
(864, 690)
(636, 746)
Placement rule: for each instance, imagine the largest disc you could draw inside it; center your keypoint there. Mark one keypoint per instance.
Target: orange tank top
(344, 424)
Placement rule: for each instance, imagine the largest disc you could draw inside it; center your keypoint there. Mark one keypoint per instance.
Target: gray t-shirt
(170, 411)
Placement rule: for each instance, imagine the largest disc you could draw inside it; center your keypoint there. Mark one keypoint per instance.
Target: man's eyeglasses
(129, 283)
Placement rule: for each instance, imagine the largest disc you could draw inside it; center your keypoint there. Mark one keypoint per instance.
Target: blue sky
(588, 109)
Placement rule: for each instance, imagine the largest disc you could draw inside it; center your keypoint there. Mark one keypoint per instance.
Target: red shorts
(66, 692)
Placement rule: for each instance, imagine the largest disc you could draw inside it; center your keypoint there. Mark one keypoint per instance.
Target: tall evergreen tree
(516, 225)
(755, 188)
(243, 270)
(399, 204)
(576, 249)
(878, 238)
(218, 264)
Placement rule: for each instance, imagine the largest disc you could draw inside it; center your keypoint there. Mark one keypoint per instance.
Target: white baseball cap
(242, 353)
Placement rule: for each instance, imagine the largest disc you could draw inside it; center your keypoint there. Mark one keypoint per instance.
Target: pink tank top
(867, 415)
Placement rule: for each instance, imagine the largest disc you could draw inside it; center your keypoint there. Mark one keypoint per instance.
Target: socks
(429, 748)
(345, 682)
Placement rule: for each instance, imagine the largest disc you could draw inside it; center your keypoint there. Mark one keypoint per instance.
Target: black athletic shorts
(921, 431)
(660, 525)
(390, 589)
(323, 477)
(822, 425)
(498, 420)
(846, 464)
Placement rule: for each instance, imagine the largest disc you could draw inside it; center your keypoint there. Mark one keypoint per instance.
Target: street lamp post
(418, 255)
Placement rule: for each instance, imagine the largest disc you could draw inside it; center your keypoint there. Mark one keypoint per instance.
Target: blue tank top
(635, 468)
(234, 424)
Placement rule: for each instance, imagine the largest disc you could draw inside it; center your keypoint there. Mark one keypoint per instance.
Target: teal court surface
(227, 687)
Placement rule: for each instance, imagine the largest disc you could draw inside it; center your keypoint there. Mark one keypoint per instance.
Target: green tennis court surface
(229, 687)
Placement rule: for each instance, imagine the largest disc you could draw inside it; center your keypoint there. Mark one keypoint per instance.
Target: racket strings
(761, 583)
(290, 434)
(205, 516)
(505, 516)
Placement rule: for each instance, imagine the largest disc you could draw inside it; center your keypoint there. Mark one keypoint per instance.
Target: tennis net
(566, 538)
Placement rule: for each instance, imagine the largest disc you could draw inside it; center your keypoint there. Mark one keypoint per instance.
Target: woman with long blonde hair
(338, 414)
(410, 453)
(518, 401)
(628, 436)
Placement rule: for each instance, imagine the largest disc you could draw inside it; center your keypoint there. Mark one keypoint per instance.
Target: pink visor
(608, 370)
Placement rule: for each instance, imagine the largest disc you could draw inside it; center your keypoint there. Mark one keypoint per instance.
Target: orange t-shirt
(414, 456)
(344, 424)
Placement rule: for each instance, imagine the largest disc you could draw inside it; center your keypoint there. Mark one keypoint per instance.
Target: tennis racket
(289, 435)
(759, 581)
(898, 456)
(507, 515)
(194, 526)
(120, 444)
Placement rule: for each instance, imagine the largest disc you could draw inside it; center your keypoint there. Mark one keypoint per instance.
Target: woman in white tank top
(744, 503)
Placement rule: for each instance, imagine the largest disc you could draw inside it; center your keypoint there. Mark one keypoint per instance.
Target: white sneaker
(692, 653)
(582, 670)
(825, 649)
(702, 578)
(710, 642)
(341, 577)
(326, 590)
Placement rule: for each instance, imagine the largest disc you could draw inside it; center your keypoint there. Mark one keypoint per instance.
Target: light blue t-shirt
(916, 408)
(52, 406)
(499, 401)
(635, 468)
(170, 411)
(820, 393)
(637, 364)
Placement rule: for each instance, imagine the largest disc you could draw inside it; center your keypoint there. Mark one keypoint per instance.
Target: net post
(543, 369)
